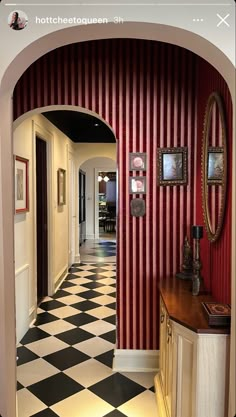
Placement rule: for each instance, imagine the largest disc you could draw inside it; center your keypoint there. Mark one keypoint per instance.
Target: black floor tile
(46, 413)
(60, 293)
(66, 358)
(152, 389)
(115, 413)
(19, 386)
(112, 305)
(72, 269)
(112, 294)
(109, 336)
(91, 285)
(67, 284)
(51, 305)
(25, 355)
(34, 334)
(116, 389)
(80, 319)
(95, 276)
(54, 389)
(44, 318)
(111, 319)
(85, 305)
(74, 336)
(88, 295)
(106, 358)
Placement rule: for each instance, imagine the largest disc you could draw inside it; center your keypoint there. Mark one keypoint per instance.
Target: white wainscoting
(60, 277)
(131, 360)
(22, 301)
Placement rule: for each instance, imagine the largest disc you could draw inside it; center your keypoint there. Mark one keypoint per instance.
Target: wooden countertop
(186, 309)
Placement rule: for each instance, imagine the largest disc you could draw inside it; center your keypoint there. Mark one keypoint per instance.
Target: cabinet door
(169, 368)
(162, 364)
(183, 394)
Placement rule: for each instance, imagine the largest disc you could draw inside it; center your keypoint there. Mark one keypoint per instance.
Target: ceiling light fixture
(102, 176)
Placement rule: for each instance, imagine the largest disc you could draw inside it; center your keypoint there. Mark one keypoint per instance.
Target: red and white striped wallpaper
(148, 92)
(216, 257)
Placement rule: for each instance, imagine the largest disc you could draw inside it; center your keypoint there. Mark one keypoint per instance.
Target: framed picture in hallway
(61, 186)
(172, 166)
(21, 185)
(137, 185)
(137, 161)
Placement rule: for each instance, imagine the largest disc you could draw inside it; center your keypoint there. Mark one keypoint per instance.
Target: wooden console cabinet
(193, 367)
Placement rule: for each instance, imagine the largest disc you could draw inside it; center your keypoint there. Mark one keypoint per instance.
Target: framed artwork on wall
(21, 184)
(172, 166)
(137, 185)
(61, 186)
(137, 161)
(215, 165)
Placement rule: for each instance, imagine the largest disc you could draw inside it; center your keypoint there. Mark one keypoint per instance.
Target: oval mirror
(214, 166)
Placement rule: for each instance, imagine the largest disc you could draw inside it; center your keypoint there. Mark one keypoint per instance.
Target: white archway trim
(40, 110)
(138, 30)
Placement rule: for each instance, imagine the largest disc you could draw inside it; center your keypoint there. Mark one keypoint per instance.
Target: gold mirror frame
(214, 98)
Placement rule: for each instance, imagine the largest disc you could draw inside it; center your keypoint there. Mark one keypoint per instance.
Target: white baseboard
(77, 258)
(92, 236)
(60, 277)
(130, 360)
(32, 315)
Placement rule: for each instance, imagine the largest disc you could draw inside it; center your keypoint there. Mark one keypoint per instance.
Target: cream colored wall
(58, 147)
(90, 167)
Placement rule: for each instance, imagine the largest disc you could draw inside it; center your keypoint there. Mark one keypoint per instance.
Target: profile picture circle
(17, 20)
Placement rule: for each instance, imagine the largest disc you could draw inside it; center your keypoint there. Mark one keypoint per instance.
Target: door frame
(72, 213)
(46, 136)
(96, 200)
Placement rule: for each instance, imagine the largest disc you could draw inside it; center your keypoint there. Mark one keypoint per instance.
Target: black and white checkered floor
(65, 360)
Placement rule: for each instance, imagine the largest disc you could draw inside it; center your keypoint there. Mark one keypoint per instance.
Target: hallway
(65, 359)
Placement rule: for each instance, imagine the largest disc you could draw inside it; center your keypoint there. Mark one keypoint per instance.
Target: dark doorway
(42, 219)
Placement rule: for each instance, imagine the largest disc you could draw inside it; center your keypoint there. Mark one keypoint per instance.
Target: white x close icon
(222, 20)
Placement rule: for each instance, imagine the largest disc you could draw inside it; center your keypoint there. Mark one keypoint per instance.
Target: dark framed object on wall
(172, 166)
(61, 186)
(21, 184)
(137, 161)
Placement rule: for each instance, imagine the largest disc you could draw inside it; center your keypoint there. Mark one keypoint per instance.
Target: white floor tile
(102, 312)
(98, 327)
(143, 405)
(64, 312)
(83, 274)
(89, 372)
(105, 290)
(104, 300)
(28, 404)
(88, 404)
(31, 372)
(70, 299)
(76, 289)
(46, 346)
(94, 346)
(107, 281)
(108, 274)
(56, 327)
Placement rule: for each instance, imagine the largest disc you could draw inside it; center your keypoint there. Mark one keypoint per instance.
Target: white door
(72, 216)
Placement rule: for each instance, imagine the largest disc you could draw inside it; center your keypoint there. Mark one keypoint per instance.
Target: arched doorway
(7, 204)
